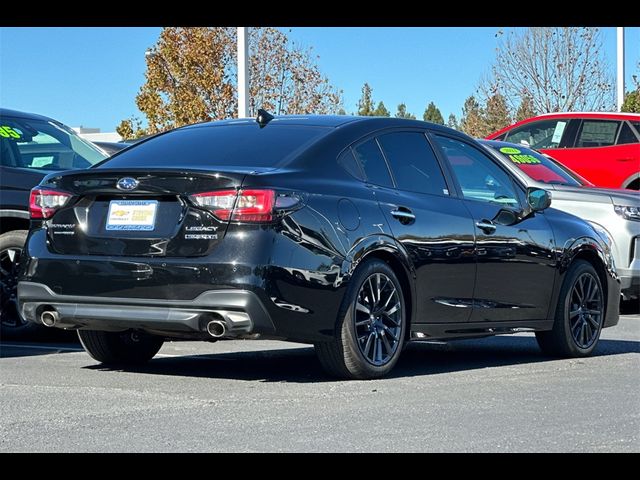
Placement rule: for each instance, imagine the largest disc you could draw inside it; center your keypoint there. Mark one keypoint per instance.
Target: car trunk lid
(138, 213)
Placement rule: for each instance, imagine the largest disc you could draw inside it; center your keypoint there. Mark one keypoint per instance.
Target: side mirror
(538, 199)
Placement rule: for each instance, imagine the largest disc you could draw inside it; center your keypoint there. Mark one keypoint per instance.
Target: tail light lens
(240, 206)
(44, 203)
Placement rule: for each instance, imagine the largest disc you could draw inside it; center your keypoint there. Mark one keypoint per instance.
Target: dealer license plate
(132, 214)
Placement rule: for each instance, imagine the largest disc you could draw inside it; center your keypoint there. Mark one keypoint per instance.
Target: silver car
(615, 213)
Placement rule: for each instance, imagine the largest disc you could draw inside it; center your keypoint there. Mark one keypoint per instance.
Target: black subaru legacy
(354, 234)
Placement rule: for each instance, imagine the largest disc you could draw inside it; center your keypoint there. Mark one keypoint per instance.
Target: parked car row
(355, 234)
(602, 147)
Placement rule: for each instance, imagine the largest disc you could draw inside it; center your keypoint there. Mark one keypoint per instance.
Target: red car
(602, 147)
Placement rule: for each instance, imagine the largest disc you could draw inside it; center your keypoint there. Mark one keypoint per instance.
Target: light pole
(620, 70)
(243, 72)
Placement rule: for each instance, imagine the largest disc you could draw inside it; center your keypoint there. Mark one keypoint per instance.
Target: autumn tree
(525, 109)
(496, 113)
(191, 76)
(402, 112)
(432, 114)
(557, 68)
(284, 78)
(381, 110)
(365, 104)
(452, 122)
(130, 129)
(472, 121)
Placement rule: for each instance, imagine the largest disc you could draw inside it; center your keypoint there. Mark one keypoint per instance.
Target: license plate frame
(132, 215)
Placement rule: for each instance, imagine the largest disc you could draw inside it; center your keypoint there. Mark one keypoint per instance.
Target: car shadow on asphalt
(300, 365)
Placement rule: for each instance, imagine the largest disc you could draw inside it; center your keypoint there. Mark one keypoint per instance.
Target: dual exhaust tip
(49, 318)
(215, 328)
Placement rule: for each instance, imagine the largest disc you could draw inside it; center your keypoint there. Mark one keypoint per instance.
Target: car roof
(323, 121)
(7, 112)
(609, 115)
(577, 115)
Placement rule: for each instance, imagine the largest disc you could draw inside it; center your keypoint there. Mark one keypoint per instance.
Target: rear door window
(597, 133)
(413, 163)
(373, 163)
(540, 134)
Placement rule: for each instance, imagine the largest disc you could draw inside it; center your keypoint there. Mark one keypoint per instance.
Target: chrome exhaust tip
(49, 318)
(216, 328)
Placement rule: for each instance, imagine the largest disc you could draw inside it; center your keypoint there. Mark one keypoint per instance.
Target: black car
(353, 234)
(31, 146)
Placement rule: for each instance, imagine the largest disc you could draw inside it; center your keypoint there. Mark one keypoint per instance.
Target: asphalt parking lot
(497, 395)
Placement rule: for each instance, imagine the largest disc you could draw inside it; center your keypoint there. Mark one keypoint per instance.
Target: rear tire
(12, 326)
(120, 348)
(579, 314)
(370, 328)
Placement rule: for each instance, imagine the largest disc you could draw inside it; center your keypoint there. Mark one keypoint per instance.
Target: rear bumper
(241, 310)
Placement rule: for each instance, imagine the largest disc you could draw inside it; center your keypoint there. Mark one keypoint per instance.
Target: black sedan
(354, 234)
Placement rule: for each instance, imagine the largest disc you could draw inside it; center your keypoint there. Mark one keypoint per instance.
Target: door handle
(486, 226)
(405, 216)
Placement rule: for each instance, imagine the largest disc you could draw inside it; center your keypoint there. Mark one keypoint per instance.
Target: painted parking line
(40, 347)
(61, 349)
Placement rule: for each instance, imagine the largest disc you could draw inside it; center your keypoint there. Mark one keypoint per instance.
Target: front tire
(579, 314)
(120, 348)
(370, 328)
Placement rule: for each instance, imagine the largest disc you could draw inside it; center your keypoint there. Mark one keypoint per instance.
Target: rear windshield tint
(225, 145)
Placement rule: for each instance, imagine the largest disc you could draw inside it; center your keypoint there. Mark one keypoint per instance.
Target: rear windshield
(205, 146)
(535, 165)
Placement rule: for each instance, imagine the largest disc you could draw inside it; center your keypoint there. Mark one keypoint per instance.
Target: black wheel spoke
(362, 308)
(593, 322)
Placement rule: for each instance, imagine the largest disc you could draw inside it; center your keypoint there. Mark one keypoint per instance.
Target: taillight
(240, 206)
(44, 203)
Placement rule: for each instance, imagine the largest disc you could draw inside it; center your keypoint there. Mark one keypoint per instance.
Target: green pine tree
(365, 104)
(632, 101)
(526, 109)
(452, 122)
(381, 111)
(472, 121)
(432, 114)
(402, 112)
(497, 113)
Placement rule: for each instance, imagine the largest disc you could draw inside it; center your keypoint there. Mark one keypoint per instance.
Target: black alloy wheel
(377, 319)
(370, 328)
(579, 314)
(12, 325)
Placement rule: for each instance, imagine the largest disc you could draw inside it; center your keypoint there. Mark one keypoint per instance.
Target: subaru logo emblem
(127, 183)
